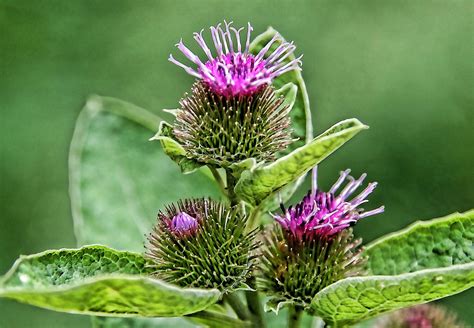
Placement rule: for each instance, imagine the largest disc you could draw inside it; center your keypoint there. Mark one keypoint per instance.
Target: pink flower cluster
(232, 70)
(324, 214)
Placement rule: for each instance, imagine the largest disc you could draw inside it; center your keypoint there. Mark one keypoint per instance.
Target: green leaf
(289, 91)
(256, 185)
(301, 113)
(354, 299)
(293, 87)
(173, 148)
(118, 179)
(97, 280)
(109, 322)
(436, 243)
(424, 262)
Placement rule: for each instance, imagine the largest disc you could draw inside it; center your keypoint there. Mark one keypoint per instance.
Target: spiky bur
(233, 112)
(220, 130)
(202, 243)
(312, 246)
(294, 270)
(420, 316)
(233, 70)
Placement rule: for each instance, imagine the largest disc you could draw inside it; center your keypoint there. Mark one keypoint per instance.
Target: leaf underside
(97, 280)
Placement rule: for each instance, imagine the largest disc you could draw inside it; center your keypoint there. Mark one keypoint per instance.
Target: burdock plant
(227, 256)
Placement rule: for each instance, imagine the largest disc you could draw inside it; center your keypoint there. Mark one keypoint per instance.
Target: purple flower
(324, 214)
(234, 70)
(183, 223)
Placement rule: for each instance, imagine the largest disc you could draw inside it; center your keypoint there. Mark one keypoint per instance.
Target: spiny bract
(202, 243)
(294, 270)
(220, 130)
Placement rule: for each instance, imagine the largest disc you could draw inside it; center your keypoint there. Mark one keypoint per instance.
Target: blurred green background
(403, 67)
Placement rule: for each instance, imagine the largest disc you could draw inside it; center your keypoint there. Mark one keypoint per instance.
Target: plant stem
(294, 317)
(217, 319)
(253, 220)
(239, 308)
(230, 188)
(219, 180)
(254, 305)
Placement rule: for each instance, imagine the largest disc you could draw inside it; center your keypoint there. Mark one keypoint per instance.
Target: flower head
(233, 70)
(183, 223)
(312, 246)
(194, 239)
(420, 316)
(324, 214)
(217, 130)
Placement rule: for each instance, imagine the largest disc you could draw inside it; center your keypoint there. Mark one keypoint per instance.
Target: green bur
(294, 270)
(224, 130)
(218, 254)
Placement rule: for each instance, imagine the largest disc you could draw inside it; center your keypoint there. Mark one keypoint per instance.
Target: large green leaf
(435, 243)
(118, 179)
(424, 262)
(354, 299)
(97, 280)
(256, 185)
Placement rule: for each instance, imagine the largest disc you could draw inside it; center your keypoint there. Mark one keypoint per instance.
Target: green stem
(230, 188)
(218, 179)
(236, 304)
(253, 220)
(217, 320)
(254, 305)
(294, 317)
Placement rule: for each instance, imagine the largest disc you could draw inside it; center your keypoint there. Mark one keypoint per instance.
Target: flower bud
(202, 243)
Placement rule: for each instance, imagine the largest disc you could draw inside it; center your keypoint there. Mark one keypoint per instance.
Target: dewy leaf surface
(118, 179)
(424, 262)
(354, 299)
(256, 185)
(97, 280)
(435, 243)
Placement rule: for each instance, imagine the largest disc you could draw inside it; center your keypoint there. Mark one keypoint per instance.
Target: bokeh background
(404, 67)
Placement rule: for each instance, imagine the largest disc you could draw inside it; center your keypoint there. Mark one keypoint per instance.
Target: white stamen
(229, 36)
(217, 41)
(188, 69)
(237, 37)
(224, 41)
(285, 47)
(247, 43)
(372, 212)
(188, 53)
(200, 40)
(267, 46)
(314, 180)
(364, 193)
(339, 181)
